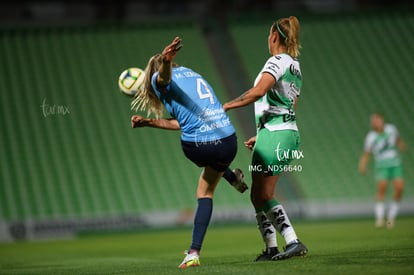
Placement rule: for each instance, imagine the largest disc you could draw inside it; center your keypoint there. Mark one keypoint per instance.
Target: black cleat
(267, 254)
(239, 184)
(293, 249)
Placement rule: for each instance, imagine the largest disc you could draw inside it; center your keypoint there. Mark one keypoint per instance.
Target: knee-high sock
(266, 229)
(280, 220)
(201, 222)
(379, 211)
(392, 211)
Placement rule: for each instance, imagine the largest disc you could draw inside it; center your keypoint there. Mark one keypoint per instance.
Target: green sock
(267, 206)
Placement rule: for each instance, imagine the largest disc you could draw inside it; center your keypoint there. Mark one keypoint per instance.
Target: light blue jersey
(192, 101)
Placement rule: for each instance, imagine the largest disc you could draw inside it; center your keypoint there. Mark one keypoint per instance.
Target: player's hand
(250, 143)
(138, 121)
(171, 50)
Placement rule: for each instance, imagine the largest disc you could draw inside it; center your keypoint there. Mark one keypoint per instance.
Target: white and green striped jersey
(275, 110)
(383, 146)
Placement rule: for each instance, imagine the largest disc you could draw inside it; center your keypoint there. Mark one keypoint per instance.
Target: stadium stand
(69, 154)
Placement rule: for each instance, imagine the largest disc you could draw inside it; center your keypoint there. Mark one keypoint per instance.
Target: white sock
(392, 211)
(379, 211)
(266, 229)
(280, 220)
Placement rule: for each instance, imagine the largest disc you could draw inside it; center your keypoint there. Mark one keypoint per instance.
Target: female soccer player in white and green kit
(384, 143)
(275, 94)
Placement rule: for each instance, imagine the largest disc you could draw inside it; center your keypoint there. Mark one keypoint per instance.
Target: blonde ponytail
(146, 99)
(289, 28)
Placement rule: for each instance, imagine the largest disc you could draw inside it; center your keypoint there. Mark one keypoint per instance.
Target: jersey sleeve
(274, 66)
(369, 139)
(394, 130)
(157, 88)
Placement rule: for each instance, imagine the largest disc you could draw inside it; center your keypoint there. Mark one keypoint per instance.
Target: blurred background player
(274, 94)
(384, 142)
(208, 137)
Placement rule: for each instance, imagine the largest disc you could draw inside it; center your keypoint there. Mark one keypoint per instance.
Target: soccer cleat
(293, 249)
(190, 260)
(267, 254)
(239, 183)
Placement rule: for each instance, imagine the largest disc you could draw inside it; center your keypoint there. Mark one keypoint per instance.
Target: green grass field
(335, 247)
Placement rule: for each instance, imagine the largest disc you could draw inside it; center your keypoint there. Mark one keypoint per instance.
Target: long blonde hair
(146, 99)
(288, 29)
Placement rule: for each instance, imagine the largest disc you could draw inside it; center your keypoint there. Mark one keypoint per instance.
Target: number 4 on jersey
(204, 91)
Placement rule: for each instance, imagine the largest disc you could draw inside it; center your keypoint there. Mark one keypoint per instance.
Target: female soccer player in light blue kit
(275, 94)
(208, 137)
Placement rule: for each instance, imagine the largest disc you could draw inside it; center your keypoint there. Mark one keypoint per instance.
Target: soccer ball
(131, 81)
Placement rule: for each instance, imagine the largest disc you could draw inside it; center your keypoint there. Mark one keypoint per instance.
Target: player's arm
(401, 144)
(168, 55)
(160, 123)
(265, 83)
(363, 162)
